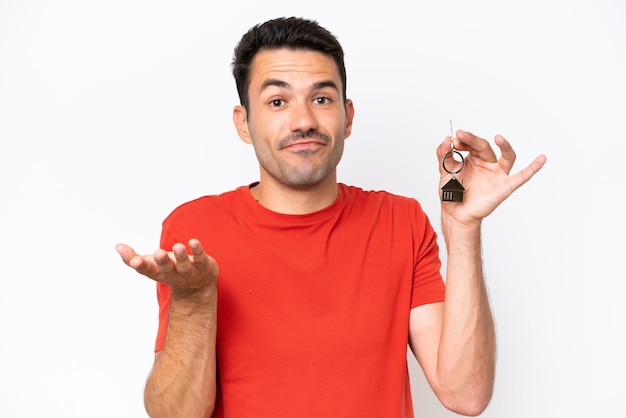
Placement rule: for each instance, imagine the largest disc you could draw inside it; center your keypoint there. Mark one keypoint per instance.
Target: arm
(454, 341)
(182, 381)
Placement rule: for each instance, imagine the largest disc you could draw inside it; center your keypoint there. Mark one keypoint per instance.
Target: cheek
(335, 123)
(264, 126)
(259, 140)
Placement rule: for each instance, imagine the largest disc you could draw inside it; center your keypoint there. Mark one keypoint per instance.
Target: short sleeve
(428, 284)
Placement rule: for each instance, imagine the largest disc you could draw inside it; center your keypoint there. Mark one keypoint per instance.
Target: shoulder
(226, 202)
(379, 197)
(386, 208)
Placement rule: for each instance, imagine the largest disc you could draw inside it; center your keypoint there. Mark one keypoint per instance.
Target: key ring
(453, 190)
(451, 153)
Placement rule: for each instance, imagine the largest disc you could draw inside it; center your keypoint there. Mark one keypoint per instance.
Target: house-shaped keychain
(452, 191)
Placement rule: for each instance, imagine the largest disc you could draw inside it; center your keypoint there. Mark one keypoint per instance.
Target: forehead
(286, 64)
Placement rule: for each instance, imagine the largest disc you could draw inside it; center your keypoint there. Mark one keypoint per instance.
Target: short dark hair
(285, 32)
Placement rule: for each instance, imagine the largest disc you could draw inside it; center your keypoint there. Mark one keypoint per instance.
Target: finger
(183, 264)
(197, 251)
(508, 154)
(479, 147)
(164, 263)
(527, 173)
(142, 264)
(201, 259)
(444, 147)
(444, 152)
(126, 252)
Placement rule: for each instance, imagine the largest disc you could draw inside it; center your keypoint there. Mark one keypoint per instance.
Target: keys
(453, 190)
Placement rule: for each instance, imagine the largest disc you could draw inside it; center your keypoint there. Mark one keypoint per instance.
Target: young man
(321, 285)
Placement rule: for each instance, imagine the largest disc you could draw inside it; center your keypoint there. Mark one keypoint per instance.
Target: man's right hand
(186, 274)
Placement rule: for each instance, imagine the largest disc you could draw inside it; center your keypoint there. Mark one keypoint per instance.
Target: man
(321, 285)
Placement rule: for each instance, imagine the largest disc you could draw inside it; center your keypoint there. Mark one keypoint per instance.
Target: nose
(303, 118)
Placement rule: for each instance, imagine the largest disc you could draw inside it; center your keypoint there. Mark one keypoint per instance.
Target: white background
(113, 113)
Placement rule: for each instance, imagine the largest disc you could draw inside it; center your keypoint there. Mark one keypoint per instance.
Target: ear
(347, 129)
(240, 119)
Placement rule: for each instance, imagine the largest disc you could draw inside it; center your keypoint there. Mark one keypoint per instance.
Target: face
(297, 119)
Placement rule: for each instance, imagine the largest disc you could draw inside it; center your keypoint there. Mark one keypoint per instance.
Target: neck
(295, 201)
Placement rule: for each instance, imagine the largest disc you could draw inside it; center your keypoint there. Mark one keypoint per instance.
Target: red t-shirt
(313, 310)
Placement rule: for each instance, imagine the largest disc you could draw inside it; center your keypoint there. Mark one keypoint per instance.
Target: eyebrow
(283, 84)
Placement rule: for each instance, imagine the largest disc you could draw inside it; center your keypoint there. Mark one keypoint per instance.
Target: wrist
(451, 224)
(199, 298)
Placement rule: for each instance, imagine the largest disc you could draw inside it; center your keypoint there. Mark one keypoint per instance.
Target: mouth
(300, 142)
(304, 148)
(308, 143)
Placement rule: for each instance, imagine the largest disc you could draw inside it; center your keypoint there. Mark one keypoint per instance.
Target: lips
(310, 139)
(304, 143)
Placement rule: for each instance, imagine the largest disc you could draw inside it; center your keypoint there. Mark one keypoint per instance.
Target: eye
(322, 100)
(277, 102)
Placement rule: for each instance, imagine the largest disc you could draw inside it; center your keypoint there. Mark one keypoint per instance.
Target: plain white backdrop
(113, 113)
